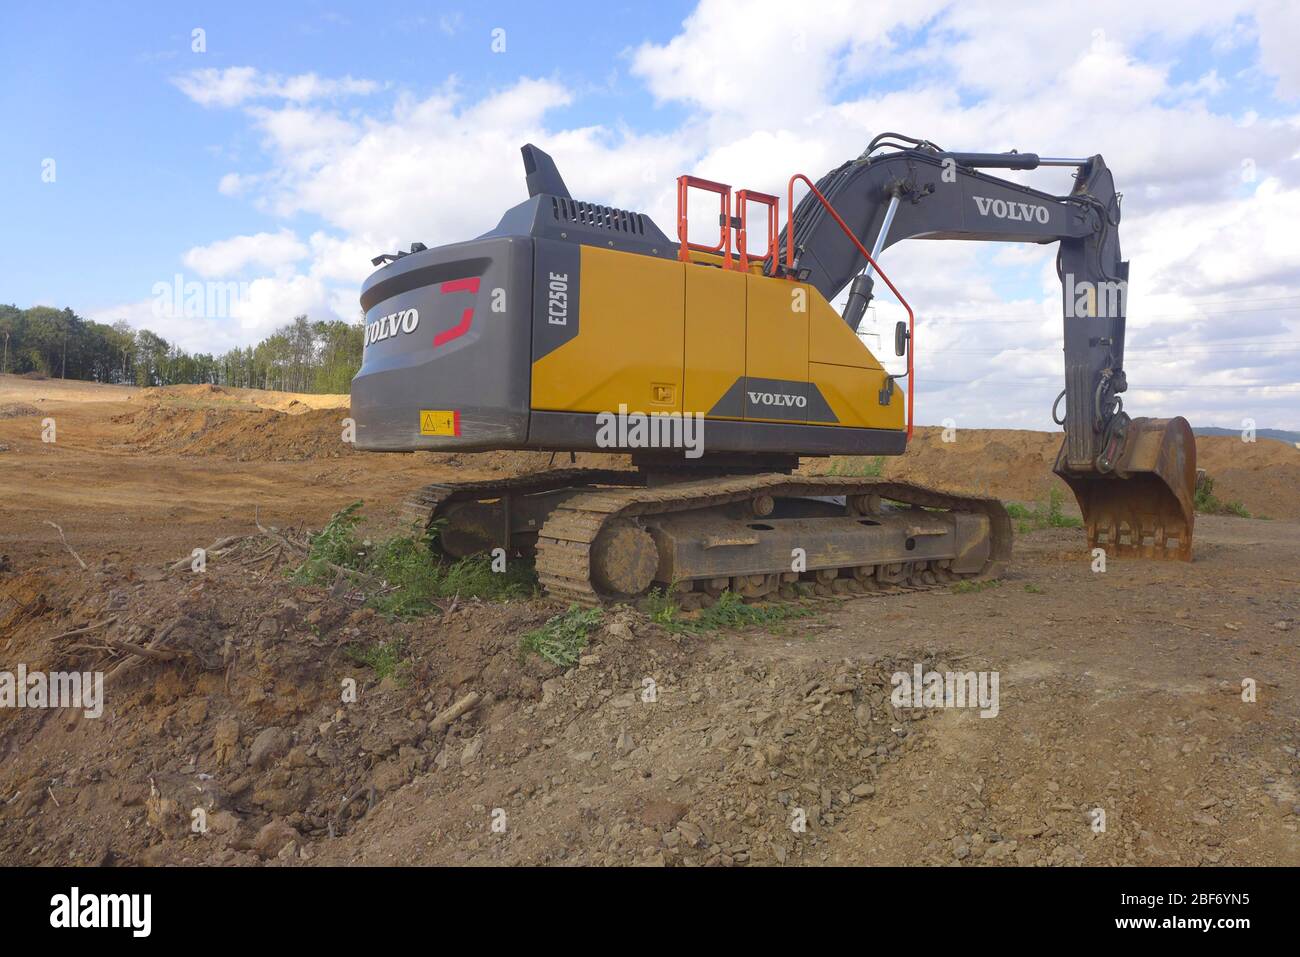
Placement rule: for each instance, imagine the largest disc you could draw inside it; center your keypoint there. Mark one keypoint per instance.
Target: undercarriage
(600, 536)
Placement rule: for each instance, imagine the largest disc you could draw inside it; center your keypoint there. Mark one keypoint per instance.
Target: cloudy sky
(301, 140)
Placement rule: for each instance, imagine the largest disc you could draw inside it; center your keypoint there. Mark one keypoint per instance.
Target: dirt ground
(1120, 693)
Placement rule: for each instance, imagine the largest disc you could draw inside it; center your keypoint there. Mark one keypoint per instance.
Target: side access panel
(776, 352)
(607, 330)
(853, 395)
(715, 342)
(847, 375)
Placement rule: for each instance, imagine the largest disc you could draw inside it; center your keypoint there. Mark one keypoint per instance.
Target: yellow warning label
(439, 422)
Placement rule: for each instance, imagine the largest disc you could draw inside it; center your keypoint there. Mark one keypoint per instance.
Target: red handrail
(684, 184)
(743, 198)
(789, 266)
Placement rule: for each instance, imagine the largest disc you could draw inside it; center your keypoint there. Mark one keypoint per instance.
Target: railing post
(743, 198)
(684, 184)
(871, 262)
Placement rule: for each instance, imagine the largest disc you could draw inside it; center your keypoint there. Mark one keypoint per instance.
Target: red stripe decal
(469, 285)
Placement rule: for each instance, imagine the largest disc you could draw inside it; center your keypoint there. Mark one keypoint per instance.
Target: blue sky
(137, 162)
(308, 137)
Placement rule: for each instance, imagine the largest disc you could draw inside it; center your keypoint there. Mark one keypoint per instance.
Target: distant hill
(1291, 438)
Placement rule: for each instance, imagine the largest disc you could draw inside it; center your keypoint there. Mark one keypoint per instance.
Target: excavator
(573, 327)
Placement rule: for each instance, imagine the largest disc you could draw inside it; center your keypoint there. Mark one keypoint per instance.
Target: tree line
(301, 356)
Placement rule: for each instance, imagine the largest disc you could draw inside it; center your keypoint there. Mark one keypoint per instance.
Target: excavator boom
(1134, 479)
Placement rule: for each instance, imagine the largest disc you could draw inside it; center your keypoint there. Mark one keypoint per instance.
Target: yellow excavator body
(668, 336)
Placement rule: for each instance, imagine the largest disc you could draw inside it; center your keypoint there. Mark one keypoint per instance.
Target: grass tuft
(970, 586)
(857, 466)
(385, 658)
(401, 575)
(1049, 514)
(729, 613)
(661, 607)
(336, 543)
(1208, 503)
(562, 639)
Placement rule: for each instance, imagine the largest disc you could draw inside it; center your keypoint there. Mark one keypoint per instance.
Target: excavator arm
(1134, 478)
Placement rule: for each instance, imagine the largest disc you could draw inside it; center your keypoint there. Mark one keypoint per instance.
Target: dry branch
(462, 706)
(221, 544)
(84, 566)
(276, 534)
(146, 652)
(86, 629)
(135, 659)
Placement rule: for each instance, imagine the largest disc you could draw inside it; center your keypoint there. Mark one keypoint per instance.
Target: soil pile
(1016, 465)
(243, 434)
(255, 717)
(208, 394)
(17, 410)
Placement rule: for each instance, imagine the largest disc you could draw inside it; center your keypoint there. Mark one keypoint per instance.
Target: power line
(1006, 317)
(1221, 302)
(923, 380)
(1241, 349)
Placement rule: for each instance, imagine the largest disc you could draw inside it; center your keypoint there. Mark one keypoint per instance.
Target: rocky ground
(262, 714)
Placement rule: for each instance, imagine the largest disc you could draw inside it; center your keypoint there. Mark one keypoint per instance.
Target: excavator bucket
(1144, 507)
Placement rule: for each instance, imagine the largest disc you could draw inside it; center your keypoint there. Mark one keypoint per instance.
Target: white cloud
(444, 166)
(450, 23)
(765, 60)
(236, 85)
(1279, 39)
(1221, 248)
(232, 184)
(272, 301)
(233, 256)
(196, 334)
(346, 260)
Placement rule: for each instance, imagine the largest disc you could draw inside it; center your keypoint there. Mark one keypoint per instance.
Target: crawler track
(423, 506)
(565, 542)
(604, 498)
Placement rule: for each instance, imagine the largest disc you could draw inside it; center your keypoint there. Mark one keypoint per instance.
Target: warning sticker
(439, 422)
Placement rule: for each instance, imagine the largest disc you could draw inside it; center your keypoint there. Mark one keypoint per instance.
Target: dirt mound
(198, 396)
(1264, 475)
(15, 410)
(237, 708)
(1013, 465)
(204, 391)
(241, 434)
(239, 713)
(253, 718)
(266, 435)
(1010, 464)
(244, 718)
(1016, 465)
(657, 752)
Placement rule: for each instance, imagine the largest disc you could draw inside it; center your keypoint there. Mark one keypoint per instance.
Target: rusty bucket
(1144, 507)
